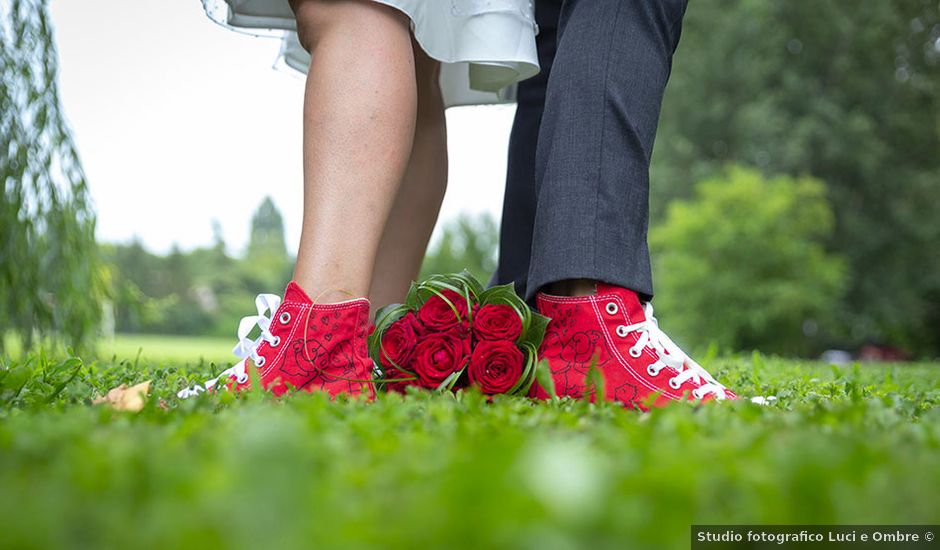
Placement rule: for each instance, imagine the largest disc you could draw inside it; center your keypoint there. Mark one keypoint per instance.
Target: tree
(213, 268)
(267, 231)
(51, 281)
(845, 91)
(743, 264)
(267, 263)
(133, 279)
(465, 243)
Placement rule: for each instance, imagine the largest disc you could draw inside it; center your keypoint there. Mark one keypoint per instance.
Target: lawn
(153, 348)
(169, 349)
(849, 445)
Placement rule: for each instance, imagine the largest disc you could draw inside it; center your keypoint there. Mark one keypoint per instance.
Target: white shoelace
(246, 348)
(670, 355)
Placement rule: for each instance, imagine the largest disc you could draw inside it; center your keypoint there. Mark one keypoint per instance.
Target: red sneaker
(636, 358)
(306, 346)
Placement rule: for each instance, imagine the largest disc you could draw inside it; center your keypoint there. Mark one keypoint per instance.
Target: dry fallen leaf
(125, 398)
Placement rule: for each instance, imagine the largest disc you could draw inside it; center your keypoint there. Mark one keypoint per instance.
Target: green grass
(850, 446)
(168, 349)
(153, 348)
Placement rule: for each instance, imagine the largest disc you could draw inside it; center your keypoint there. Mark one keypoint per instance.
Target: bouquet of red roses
(451, 333)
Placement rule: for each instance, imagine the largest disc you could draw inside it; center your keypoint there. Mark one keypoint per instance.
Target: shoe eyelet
(612, 308)
(284, 318)
(260, 362)
(673, 384)
(635, 353)
(276, 342)
(242, 378)
(696, 394)
(622, 331)
(651, 371)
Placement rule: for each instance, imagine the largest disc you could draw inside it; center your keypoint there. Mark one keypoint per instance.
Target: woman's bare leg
(416, 207)
(359, 122)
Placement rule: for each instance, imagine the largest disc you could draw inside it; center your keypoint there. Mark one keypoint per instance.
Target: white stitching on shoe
(565, 299)
(334, 305)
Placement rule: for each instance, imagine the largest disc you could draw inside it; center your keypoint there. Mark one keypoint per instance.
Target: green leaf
(448, 383)
(500, 294)
(411, 299)
(543, 373)
(73, 363)
(381, 383)
(463, 283)
(595, 381)
(524, 384)
(536, 332)
(471, 282)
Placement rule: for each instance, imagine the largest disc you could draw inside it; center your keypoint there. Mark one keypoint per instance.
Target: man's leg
(592, 184)
(515, 239)
(595, 142)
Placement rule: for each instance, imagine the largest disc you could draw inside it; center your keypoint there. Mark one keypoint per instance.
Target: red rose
(398, 342)
(495, 366)
(461, 332)
(438, 315)
(437, 356)
(497, 322)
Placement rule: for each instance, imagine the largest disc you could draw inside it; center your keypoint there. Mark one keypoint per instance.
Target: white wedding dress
(485, 46)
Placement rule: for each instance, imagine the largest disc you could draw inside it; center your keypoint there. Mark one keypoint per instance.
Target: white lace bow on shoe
(246, 348)
(670, 355)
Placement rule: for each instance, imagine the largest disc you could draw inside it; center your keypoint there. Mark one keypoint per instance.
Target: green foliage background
(468, 242)
(200, 292)
(204, 292)
(742, 264)
(843, 91)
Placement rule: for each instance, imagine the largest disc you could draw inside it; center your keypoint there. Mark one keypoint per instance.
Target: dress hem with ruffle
(484, 46)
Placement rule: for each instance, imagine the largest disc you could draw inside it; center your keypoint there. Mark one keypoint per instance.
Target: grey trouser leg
(518, 221)
(595, 140)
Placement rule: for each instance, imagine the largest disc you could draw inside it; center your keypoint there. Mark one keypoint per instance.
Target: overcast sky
(179, 121)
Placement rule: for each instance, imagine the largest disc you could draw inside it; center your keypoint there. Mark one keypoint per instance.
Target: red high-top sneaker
(302, 345)
(636, 358)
